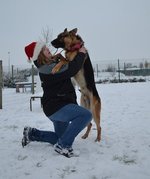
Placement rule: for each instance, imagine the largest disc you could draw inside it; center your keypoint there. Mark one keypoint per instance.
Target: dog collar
(76, 47)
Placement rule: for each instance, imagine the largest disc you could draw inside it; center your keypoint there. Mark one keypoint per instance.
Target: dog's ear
(74, 31)
(65, 30)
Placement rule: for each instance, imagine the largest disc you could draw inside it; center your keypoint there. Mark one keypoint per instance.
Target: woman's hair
(41, 60)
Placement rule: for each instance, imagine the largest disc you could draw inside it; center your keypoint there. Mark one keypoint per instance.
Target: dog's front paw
(56, 68)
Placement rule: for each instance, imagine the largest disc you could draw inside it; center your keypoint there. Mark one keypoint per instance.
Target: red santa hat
(33, 50)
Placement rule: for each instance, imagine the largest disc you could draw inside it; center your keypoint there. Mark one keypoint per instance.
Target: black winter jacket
(58, 89)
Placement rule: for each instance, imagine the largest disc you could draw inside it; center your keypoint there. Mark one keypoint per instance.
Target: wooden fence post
(118, 70)
(1, 83)
(32, 86)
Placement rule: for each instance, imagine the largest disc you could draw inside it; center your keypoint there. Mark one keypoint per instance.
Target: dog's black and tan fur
(71, 42)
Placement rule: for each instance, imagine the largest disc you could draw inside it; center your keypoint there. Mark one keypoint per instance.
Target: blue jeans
(68, 122)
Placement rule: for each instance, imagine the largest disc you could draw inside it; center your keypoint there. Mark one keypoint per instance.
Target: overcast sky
(111, 29)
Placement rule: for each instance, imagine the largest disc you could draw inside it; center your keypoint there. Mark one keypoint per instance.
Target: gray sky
(111, 29)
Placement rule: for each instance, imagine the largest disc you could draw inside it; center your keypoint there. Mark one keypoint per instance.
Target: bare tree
(141, 65)
(146, 64)
(47, 36)
(111, 68)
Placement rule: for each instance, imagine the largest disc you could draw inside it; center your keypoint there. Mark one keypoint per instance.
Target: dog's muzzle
(57, 44)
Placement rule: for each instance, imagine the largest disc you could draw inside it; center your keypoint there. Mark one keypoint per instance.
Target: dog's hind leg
(85, 102)
(96, 110)
(87, 131)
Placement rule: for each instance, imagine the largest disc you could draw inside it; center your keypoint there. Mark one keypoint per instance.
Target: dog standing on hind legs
(71, 43)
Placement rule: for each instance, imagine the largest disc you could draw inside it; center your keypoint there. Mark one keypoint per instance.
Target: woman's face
(46, 52)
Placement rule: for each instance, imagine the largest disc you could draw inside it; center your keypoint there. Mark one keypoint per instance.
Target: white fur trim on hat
(37, 50)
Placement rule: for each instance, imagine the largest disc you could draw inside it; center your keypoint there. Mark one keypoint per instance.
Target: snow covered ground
(123, 153)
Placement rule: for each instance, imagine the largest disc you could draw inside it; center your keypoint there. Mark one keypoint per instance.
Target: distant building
(136, 71)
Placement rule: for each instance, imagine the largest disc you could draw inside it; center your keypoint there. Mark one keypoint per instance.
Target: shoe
(25, 139)
(67, 152)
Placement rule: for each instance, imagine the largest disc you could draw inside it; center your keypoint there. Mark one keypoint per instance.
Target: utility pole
(97, 69)
(12, 72)
(9, 64)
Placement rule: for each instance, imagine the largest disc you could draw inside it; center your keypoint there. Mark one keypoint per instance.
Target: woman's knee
(88, 115)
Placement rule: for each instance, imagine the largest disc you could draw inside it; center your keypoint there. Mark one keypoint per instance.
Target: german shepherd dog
(71, 42)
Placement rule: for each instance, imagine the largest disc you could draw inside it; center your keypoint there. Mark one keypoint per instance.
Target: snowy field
(123, 153)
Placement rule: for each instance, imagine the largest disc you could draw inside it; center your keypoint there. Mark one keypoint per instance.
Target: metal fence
(122, 68)
(117, 69)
